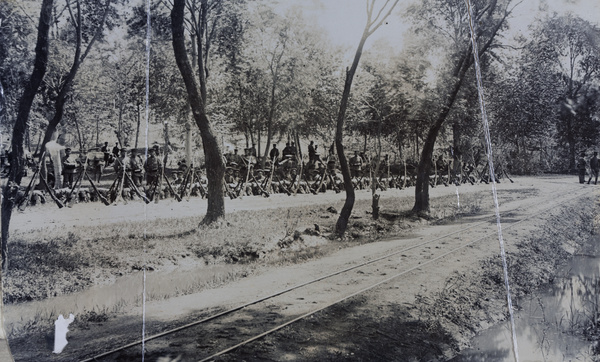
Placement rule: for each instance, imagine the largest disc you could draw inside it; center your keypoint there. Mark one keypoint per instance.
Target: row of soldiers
(250, 175)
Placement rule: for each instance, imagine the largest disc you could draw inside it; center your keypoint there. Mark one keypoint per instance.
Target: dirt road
(382, 323)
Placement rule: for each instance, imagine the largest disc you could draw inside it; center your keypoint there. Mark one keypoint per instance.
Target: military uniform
(152, 167)
(595, 166)
(356, 163)
(137, 169)
(69, 168)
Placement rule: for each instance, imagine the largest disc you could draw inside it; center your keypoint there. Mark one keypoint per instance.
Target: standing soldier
(287, 151)
(116, 150)
(581, 167)
(152, 168)
(356, 163)
(595, 167)
(69, 168)
(137, 170)
(274, 154)
(104, 150)
(311, 151)
(123, 164)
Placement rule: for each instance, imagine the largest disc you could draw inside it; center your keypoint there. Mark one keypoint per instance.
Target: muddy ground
(428, 314)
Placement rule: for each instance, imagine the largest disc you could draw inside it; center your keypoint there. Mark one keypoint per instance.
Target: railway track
(223, 332)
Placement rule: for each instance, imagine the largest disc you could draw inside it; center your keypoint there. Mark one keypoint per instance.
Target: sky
(344, 20)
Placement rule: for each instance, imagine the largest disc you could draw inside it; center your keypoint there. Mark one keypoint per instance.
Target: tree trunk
(456, 147)
(370, 27)
(342, 221)
(137, 128)
(424, 167)
(215, 169)
(270, 120)
(17, 154)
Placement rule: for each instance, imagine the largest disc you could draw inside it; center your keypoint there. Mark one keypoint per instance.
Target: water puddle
(548, 324)
(125, 292)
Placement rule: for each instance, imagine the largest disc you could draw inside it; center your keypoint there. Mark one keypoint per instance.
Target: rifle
(315, 191)
(228, 191)
(171, 189)
(262, 190)
(100, 196)
(24, 199)
(203, 191)
(296, 187)
(77, 182)
(120, 183)
(51, 192)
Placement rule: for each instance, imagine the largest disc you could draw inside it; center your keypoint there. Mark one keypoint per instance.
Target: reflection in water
(125, 292)
(550, 324)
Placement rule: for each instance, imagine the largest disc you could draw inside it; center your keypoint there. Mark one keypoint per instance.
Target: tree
(374, 21)
(449, 19)
(17, 159)
(16, 33)
(215, 169)
(88, 20)
(567, 46)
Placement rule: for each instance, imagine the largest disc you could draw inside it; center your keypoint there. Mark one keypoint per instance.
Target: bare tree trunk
(215, 169)
(370, 27)
(424, 167)
(17, 156)
(342, 221)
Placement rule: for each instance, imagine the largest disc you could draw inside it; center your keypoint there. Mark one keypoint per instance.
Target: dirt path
(334, 332)
(49, 217)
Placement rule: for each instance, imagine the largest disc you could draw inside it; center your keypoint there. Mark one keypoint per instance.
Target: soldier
(287, 151)
(253, 150)
(69, 168)
(581, 164)
(116, 150)
(137, 168)
(152, 166)
(123, 164)
(311, 151)
(236, 158)
(356, 163)
(104, 150)
(274, 154)
(97, 166)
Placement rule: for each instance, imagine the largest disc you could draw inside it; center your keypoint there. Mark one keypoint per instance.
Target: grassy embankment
(476, 298)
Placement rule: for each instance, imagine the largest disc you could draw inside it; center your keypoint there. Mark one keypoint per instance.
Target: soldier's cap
(155, 147)
(68, 149)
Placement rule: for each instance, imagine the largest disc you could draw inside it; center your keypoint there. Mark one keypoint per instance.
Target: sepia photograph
(300, 180)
